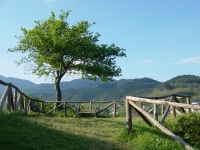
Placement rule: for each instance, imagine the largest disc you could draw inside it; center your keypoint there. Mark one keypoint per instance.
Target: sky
(161, 37)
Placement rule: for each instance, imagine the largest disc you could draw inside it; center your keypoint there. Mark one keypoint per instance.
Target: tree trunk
(57, 89)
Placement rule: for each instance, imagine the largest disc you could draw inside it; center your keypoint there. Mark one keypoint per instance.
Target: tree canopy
(55, 48)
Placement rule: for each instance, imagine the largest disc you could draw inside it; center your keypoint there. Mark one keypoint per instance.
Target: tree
(54, 49)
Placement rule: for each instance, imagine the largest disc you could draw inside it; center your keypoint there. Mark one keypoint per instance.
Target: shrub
(187, 126)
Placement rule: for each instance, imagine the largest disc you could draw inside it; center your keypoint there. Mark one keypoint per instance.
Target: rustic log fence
(153, 120)
(92, 106)
(15, 100)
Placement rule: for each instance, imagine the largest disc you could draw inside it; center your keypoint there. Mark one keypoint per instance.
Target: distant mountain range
(82, 90)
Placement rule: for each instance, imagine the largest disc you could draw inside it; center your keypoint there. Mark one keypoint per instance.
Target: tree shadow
(19, 133)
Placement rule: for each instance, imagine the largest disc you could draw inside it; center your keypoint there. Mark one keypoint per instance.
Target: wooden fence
(91, 104)
(17, 100)
(173, 103)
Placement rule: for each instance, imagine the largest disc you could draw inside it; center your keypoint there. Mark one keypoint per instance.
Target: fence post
(8, 99)
(20, 102)
(90, 105)
(167, 109)
(42, 106)
(173, 111)
(162, 110)
(3, 98)
(128, 117)
(155, 111)
(141, 105)
(25, 104)
(188, 102)
(64, 107)
(15, 99)
(114, 109)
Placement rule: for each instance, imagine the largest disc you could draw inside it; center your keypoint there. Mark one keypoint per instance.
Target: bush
(188, 127)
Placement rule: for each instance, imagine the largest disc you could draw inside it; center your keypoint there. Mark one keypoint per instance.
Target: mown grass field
(31, 132)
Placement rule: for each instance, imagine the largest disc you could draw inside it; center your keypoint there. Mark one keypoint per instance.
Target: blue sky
(161, 38)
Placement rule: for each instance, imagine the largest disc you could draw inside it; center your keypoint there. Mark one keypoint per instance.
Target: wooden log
(182, 109)
(15, 98)
(87, 111)
(120, 106)
(29, 106)
(12, 99)
(69, 102)
(167, 110)
(26, 102)
(69, 105)
(10, 103)
(177, 111)
(162, 102)
(114, 109)
(141, 115)
(8, 99)
(155, 111)
(188, 102)
(128, 117)
(55, 108)
(3, 98)
(42, 106)
(105, 108)
(150, 110)
(64, 108)
(9, 84)
(90, 105)
(162, 109)
(22, 102)
(166, 96)
(162, 128)
(18, 104)
(173, 112)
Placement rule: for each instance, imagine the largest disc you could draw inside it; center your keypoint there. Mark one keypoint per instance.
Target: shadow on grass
(18, 133)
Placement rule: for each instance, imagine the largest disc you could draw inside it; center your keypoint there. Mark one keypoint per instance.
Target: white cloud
(164, 53)
(194, 60)
(147, 61)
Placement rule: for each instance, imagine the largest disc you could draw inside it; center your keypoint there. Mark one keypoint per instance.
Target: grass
(32, 132)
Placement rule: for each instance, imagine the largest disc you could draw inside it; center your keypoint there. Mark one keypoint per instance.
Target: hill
(184, 85)
(82, 90)
(20, 83)
(116, 90)
(48, 91)
(144, 87)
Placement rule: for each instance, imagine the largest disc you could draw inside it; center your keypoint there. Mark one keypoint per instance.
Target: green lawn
(31, 132)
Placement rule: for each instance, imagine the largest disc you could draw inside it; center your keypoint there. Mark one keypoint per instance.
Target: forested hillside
(184, 85)
(144, 87)
(83, 90)
(116, 90)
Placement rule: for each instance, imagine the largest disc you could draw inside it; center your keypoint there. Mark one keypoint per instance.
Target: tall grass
(32, 132)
